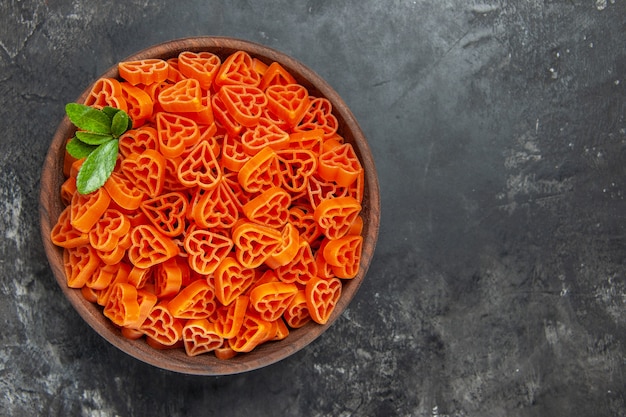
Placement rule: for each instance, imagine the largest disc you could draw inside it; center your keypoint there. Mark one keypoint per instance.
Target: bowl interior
(176, 359)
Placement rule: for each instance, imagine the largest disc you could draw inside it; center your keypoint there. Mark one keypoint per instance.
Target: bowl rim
(177, 360)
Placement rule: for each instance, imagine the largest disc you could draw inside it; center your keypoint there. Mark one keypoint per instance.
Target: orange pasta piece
(204, 116)
(150, 247)
(167, 212)
(224, 118)
(265, 134)
(229, 318)
(121, 275)
(138, 103)
(302, 268)
(289, 102)
(254, 331)
(184, 96)
(245, 103)
(276, 74)
(206, 250)
(225, 352)
(319, 115)
(200, 168)
(216, 208)
(139, 276)
(168, 277)
(309, 140)
(324, 269)
(146, 71)
(200, 336)
(86, 209)
(173, 74)
(297, 313)
(175, 133)
(344, 254)
(322, 296)
(288, 248)
(195, 301)
(109, 230)
(116, 254)
(270, 208)
(296, 166)
(146, 301)
(106, 92)
(202, 66)
(336, 216)
(138, 140)
(146, 171)
(122, 191)
(162, 326)
(68, 189)
(232, 279)
(340, 164)
(260, 172)
(102, 276)
(79, 263)
(255, 243)
(89, 294)
(122, 306)
(237, 69)
(302, 218)
(234, 155)
(271, 300)
(63, 234)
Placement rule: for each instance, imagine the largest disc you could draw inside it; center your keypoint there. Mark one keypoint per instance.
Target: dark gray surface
(498, 287)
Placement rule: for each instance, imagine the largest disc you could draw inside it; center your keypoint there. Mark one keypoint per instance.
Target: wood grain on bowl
(176, 359)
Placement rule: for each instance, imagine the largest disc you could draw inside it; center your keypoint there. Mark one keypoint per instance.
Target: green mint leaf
(97, 168)
(88, 118)
(79, 149)
(93, 138)
(110, 111)
(119, 124)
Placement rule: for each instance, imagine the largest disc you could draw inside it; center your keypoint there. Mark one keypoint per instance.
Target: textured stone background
(498, 287)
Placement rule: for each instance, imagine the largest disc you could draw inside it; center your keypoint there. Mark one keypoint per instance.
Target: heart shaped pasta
(195, 301)
(231, 280)
(244, 102)
(184, 96)
(167, 212)
(149, 247)
(106, 92)
(146, 171)
(255, 243)
(200, 168)
(344, 255)
(289, 102)
(264, 135)
(270, 208)
(260, 172)
(146, 71)
(296, 166)
(321, 297)
(319, 115)
(206, 250)
(272, 299)
(336, 216)
(162, 326)
(202, 66)
(200, 336)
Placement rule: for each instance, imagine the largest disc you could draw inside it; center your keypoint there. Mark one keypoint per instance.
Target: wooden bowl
(176, 359)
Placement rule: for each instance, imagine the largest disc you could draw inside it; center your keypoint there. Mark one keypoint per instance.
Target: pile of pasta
(233, 213)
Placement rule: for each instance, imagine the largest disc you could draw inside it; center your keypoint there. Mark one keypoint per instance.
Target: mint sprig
(97, 140)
